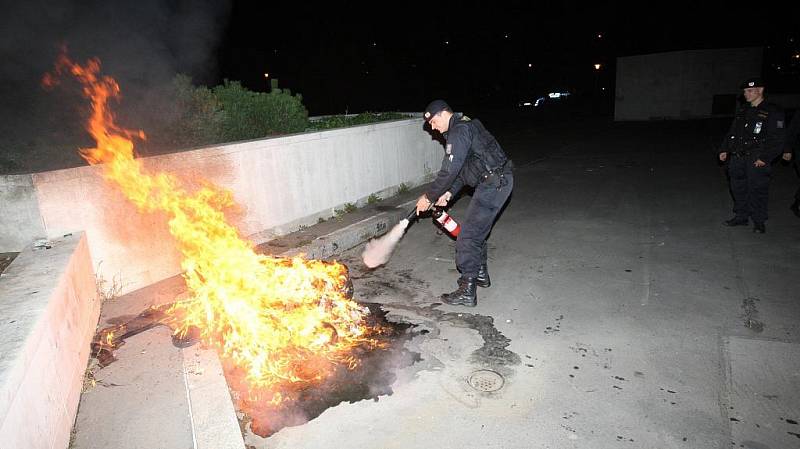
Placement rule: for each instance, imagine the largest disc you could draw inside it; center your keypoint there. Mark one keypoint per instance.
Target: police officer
(793, 145)
(472, 157)
(754, 140)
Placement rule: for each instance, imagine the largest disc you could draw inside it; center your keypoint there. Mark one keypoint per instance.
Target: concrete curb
(215, 424)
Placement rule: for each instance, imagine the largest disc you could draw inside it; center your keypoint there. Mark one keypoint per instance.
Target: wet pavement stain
(493, 352)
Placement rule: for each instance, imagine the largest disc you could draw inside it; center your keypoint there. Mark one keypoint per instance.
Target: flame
(278, 319)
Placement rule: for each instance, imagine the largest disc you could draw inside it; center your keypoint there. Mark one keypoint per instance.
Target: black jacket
(471, 152)
(757, 130)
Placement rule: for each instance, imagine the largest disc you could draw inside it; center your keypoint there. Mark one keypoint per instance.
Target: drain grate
(486, 380)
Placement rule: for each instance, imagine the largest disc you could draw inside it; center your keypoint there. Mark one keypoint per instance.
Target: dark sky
(348, 56)
(353, 56)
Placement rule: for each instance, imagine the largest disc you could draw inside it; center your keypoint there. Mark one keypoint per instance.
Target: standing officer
(793, 144)
(472, 157)
(754, 140)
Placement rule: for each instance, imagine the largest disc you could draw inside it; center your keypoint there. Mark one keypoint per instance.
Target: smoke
(142, 44)
(378, 251)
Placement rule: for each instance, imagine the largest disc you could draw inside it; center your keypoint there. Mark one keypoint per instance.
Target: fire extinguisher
(446, 222)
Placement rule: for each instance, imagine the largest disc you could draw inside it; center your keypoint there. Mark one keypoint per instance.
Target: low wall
(50, 310)
(279, 184)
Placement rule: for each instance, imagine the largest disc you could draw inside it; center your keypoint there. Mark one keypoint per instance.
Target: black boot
(465, 295)
(795, 208)
(736, 221)
(483, 277)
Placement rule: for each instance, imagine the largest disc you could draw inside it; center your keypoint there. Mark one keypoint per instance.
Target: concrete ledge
(49, 308)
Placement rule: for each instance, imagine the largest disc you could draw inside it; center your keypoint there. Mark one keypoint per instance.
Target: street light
(266, 78)
(598, 66)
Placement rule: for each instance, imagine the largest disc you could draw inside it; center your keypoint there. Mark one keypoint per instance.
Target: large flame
(278, 319)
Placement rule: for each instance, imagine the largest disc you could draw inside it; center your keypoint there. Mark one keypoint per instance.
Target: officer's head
(753, 90)
(437, 115)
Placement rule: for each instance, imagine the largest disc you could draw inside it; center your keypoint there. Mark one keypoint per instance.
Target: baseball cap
(752, 82)
(434, 108)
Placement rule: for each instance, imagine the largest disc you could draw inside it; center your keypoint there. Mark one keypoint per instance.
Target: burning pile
(279, 320)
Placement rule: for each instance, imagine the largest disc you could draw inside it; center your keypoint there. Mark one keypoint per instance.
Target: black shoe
(465, 295)
(759, 228)
(483, 277)
(735, 221)
(795, 208)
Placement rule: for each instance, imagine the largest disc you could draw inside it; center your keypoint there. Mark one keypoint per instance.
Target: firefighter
(472, 157)
(755, 139)
(793, 145)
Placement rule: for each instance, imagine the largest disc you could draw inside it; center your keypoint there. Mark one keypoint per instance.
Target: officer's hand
(442, 201)
(759, 163)
(423, 204)
(723, 157)
(787, 156)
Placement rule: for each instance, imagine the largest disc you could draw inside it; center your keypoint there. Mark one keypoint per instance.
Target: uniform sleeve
(458, 140)
(776, 136)
(793, 135)
(729, 136)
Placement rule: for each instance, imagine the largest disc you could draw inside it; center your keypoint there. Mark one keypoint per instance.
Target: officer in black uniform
(472, 157)
(793, 145)
(754, 140)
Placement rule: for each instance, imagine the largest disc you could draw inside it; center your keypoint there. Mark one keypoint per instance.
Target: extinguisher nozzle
(412, 215)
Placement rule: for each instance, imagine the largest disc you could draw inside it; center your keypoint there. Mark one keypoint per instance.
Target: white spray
(378, 251)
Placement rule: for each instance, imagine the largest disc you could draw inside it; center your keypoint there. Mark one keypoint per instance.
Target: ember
(285, 323)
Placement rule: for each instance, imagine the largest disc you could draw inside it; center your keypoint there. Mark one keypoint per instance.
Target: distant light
(796, 56)
(602, 88)
(266, 75)
(527, 103)
(530, 66)
(447, 42)
(554, 94)
(505, 35)
(374, 44)
(599, 35)
(597, 66)
(538, 102)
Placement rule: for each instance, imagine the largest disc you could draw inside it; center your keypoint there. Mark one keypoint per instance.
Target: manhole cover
(486, 380)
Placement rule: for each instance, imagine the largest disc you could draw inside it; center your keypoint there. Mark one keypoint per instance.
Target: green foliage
(346, 209)
(198, 117)
(402, 188)
(373, 198)
(341, 121)
(250, 115)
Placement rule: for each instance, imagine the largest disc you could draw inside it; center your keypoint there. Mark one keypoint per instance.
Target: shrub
(250, 115)
(341, 121)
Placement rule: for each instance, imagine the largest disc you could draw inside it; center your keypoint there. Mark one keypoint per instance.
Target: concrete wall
(278, 183)
(20, 222)
(680, 84)
(50, 310)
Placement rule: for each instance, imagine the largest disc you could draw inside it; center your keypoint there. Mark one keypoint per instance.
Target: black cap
(435, 107)
(752, 82)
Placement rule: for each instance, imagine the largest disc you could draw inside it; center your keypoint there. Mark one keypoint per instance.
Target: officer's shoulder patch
(779, 124)
(465, 118)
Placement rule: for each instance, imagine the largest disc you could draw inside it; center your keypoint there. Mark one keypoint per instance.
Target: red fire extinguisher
(446, 222)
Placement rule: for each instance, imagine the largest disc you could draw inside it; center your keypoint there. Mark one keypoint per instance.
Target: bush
(199, 119)
(250, 115)
(340, 121)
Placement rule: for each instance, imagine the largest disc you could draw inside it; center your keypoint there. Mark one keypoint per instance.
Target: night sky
(353, 57)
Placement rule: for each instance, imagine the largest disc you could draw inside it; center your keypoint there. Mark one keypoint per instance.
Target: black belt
(495, 173)
(741, 153)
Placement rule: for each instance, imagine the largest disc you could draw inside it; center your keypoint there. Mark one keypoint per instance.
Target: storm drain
(486, 380)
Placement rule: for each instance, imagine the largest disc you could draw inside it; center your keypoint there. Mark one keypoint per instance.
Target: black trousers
(749, 187)
(487, 200)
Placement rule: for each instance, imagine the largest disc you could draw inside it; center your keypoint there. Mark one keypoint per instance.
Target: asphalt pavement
(621, 313)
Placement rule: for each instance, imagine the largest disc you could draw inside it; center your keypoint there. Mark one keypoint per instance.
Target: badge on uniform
(448, 148)
(757, 128)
